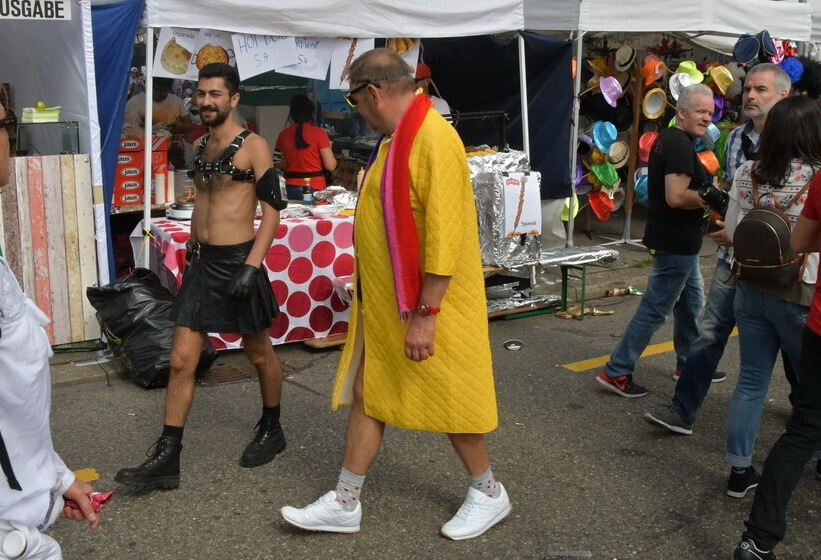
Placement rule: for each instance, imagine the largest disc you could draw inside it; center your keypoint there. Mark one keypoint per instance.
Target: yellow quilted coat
(453, 391)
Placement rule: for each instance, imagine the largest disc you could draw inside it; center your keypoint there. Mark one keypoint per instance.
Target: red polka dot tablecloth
(306, 256)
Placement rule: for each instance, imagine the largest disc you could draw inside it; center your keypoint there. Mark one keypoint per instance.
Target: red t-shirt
(812, 210)
(306, 159)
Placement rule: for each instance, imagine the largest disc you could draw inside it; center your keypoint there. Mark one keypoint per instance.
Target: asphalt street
(587, 476)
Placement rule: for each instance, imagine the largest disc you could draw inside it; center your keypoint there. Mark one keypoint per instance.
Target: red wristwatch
(424, 310)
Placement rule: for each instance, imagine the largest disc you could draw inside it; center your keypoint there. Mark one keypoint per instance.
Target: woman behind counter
(305, 148)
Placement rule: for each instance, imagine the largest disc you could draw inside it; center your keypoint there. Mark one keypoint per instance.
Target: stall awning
(786, 20)
(337, 18)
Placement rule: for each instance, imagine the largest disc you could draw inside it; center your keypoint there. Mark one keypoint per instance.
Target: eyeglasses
(350, 94)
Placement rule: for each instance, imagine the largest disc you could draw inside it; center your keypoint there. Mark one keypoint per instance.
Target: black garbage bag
(135, 314)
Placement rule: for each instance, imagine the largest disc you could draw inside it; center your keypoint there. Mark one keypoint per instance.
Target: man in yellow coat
(418, 353)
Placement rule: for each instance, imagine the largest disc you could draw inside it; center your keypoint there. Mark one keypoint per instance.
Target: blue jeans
(765, 325)
(716, 324)
(675, 285)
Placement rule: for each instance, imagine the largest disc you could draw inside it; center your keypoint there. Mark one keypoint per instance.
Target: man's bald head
(384, 67)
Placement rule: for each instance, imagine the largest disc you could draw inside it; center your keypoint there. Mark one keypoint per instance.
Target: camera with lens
(715, 198)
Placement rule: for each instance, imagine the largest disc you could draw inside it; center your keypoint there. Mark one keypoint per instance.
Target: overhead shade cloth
(115, 26)
(338, 18)
(482, 74)
(271, 88)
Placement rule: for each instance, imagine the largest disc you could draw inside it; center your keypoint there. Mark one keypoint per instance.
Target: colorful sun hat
(746, 48)
(623, 77)
(566, 209)
(580, 177)
(604, 134)
(678, 82)
(689, 67)
(584, 188)
(600, 204)
(617, 195)
(596, 158)
(640, 184)
(672, 123)
(711, 136)
(646, 141)
(585, 146)
(654, 104)
(709, 160)
(779, 53)
(736, 69)
(722, 78)
(652, 69)
(767, 44)
(610, 90)
(619, 154)
(625, 55)
(718, 108)
(606, 173)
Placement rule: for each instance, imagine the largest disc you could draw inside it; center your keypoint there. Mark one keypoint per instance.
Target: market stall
(306, 258)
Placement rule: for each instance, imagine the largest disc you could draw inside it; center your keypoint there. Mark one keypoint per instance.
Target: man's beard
(219, 118)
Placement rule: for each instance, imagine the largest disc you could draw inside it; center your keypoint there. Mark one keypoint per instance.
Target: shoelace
(154, 451)
(262, 430)
(467, 508)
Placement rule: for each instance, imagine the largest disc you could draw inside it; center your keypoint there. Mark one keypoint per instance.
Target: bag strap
(793, 200)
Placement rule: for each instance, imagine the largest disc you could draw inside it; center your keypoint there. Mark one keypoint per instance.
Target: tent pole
(523, 93)
(574, 136)
(149, 118)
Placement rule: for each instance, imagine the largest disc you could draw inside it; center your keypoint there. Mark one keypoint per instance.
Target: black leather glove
(242, 284)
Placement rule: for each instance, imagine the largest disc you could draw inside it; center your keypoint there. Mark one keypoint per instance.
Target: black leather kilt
(202, 303)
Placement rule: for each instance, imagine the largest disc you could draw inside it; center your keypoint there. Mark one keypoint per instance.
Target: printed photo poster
(313, 57)
(345, 52)
(174, 49)
(407, 48)
(257, 54)
(211, 46)
(523, 205)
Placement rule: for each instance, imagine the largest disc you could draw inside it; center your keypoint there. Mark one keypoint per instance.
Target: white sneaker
(478, 513)
(325, 514)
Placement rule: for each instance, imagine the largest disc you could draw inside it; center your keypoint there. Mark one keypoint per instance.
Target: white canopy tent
(713, 24)
(457, 18)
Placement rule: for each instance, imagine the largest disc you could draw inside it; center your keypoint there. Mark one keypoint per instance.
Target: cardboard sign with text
(257, 54)
(173, 57)
(313, 57)
(523, 205)
(346, 51)
(211, 46)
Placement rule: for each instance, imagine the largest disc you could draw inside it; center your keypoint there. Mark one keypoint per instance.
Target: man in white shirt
(34, 481)
(423, 79)
(169, 110)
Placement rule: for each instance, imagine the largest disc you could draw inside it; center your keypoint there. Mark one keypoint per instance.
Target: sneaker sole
(321, 528)
(652, 420)
(502, 514)
(613, 389)
(714, 380)
(262, 461)
(159, 483)
(741, 494)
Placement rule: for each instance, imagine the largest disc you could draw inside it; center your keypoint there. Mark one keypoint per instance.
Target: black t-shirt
(674, 230)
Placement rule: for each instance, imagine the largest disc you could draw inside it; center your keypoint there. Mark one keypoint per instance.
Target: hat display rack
(628, 96)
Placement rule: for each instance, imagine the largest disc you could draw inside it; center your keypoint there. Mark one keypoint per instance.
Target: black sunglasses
(349, 95)
(9, 122)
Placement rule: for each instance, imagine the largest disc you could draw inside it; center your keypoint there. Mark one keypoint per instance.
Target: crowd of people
(419, 296)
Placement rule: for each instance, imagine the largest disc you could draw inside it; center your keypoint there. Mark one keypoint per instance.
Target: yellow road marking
(87, 475)
(599, 361)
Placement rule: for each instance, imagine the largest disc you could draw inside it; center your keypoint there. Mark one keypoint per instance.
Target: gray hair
(685, 98)
(782, 79)
(384, 67)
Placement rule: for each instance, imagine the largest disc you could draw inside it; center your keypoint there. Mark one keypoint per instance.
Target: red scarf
(400, 227)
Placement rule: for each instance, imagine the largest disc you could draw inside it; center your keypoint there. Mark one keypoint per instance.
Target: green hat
(689, 67)
(606, 173)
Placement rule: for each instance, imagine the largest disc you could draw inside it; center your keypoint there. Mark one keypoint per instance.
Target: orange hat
(422, 71)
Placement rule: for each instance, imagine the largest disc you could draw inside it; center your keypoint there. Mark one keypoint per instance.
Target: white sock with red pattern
(348, 489)
(486, 483)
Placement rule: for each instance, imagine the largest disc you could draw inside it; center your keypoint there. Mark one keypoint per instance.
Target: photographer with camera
(675, 225)
(765, 85)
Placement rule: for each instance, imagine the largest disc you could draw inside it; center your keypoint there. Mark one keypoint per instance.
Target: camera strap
(5, 463)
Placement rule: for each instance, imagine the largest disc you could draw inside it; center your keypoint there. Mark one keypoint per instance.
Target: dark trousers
(790, 454)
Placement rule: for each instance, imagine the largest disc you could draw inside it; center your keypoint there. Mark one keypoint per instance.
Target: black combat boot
(160, 470)
(269, 441)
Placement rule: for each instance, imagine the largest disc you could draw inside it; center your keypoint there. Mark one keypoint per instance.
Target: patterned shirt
(733, 158)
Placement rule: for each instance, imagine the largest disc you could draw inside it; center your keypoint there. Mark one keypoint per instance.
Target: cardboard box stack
(129, 177)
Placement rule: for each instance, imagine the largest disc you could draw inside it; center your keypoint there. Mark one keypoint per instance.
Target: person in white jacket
(34, 481)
